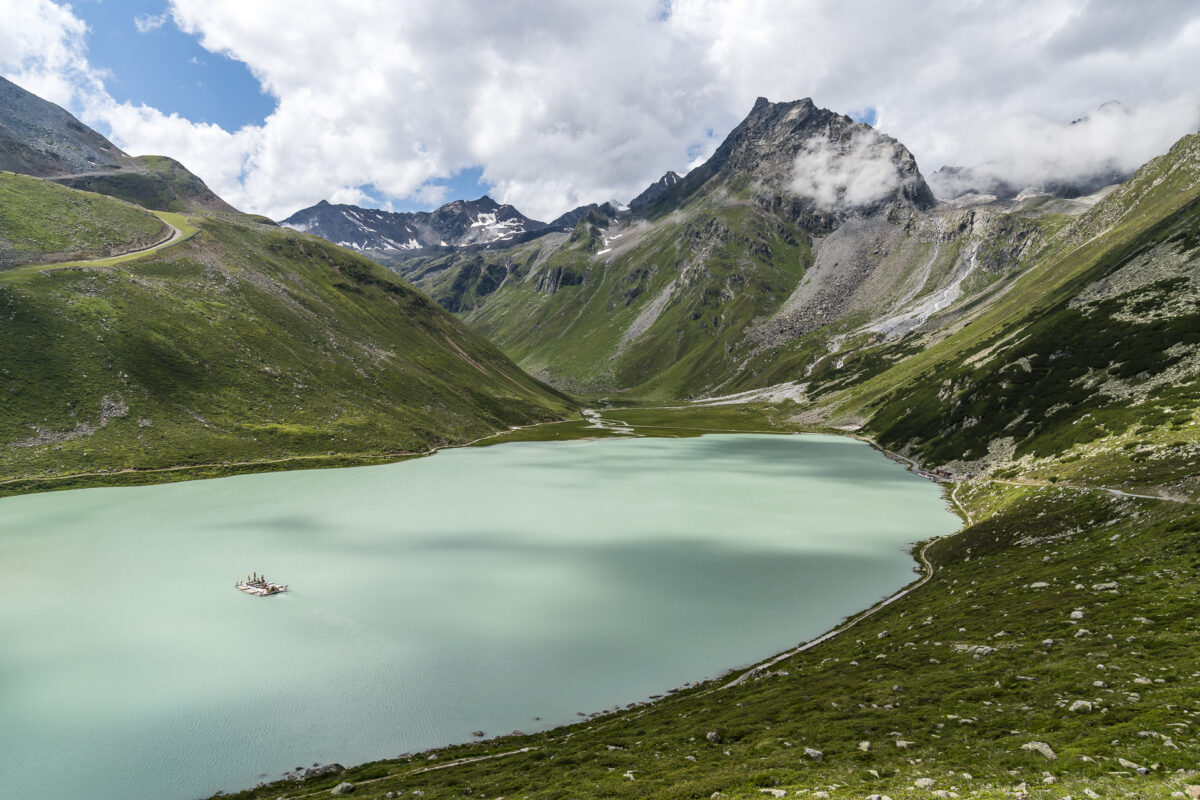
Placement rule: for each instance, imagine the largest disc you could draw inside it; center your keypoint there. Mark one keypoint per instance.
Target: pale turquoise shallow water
(476, 589)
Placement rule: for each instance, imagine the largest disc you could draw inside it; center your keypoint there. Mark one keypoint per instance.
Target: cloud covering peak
(843, 174)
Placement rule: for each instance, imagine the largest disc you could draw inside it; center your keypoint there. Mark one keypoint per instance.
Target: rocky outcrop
(654, 191)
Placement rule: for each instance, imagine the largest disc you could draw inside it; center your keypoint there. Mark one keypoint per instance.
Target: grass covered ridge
(246, 343)
(41, 222)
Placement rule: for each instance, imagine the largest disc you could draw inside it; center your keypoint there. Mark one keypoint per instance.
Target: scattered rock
(1047, 643)
(774, 792)
(477, 733)
(923, 783)
(1077, 614)
(1038, 585)
(328, 769)
(976, 650)
(1106, 586)
(342, 788)
(713, 737)
(815, 755)
(864, 746)
(1192, 791)
(1040, 747)
(1049, 780)
(1080, 705)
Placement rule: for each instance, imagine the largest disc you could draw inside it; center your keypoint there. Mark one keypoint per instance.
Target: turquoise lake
(478, 589)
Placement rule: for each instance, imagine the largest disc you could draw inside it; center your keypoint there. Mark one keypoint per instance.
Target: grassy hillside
(244, 343)
(154, 182)
(42, 222)
(1089, 368)
(731, 294)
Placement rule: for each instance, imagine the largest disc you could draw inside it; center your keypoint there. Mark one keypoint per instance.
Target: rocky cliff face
(654, 191)
(811, 164)
(41, 139)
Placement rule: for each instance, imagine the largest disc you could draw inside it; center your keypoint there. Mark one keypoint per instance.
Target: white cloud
(567, 103)
(846, 174)
(149, 22)
(42, 50)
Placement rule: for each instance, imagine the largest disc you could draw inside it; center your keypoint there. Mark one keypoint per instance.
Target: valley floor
(1048, 651)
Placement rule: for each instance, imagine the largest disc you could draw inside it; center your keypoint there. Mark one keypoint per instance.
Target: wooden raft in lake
(259, 586)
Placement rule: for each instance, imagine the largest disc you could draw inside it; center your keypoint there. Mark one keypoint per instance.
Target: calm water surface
(476, 589)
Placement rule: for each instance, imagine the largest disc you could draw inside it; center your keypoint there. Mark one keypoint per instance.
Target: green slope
(154, 182)
(734, 282)
(41, 222)
(244, 343)
(1089, 368)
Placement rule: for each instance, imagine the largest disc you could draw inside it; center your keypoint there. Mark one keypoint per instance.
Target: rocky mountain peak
(812, 160)
(40, 138)
(655, 190)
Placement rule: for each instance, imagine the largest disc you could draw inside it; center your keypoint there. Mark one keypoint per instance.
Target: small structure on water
(259, 586)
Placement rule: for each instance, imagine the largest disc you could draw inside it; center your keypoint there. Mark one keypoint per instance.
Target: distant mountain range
(462, 223)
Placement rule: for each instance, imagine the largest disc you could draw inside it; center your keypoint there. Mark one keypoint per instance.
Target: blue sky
(165, 68)
(168, 69)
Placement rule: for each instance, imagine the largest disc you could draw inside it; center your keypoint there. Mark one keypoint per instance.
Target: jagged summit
(655, 190)
(812, 160)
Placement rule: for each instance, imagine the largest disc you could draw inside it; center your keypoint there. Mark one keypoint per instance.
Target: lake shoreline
(573, 430)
